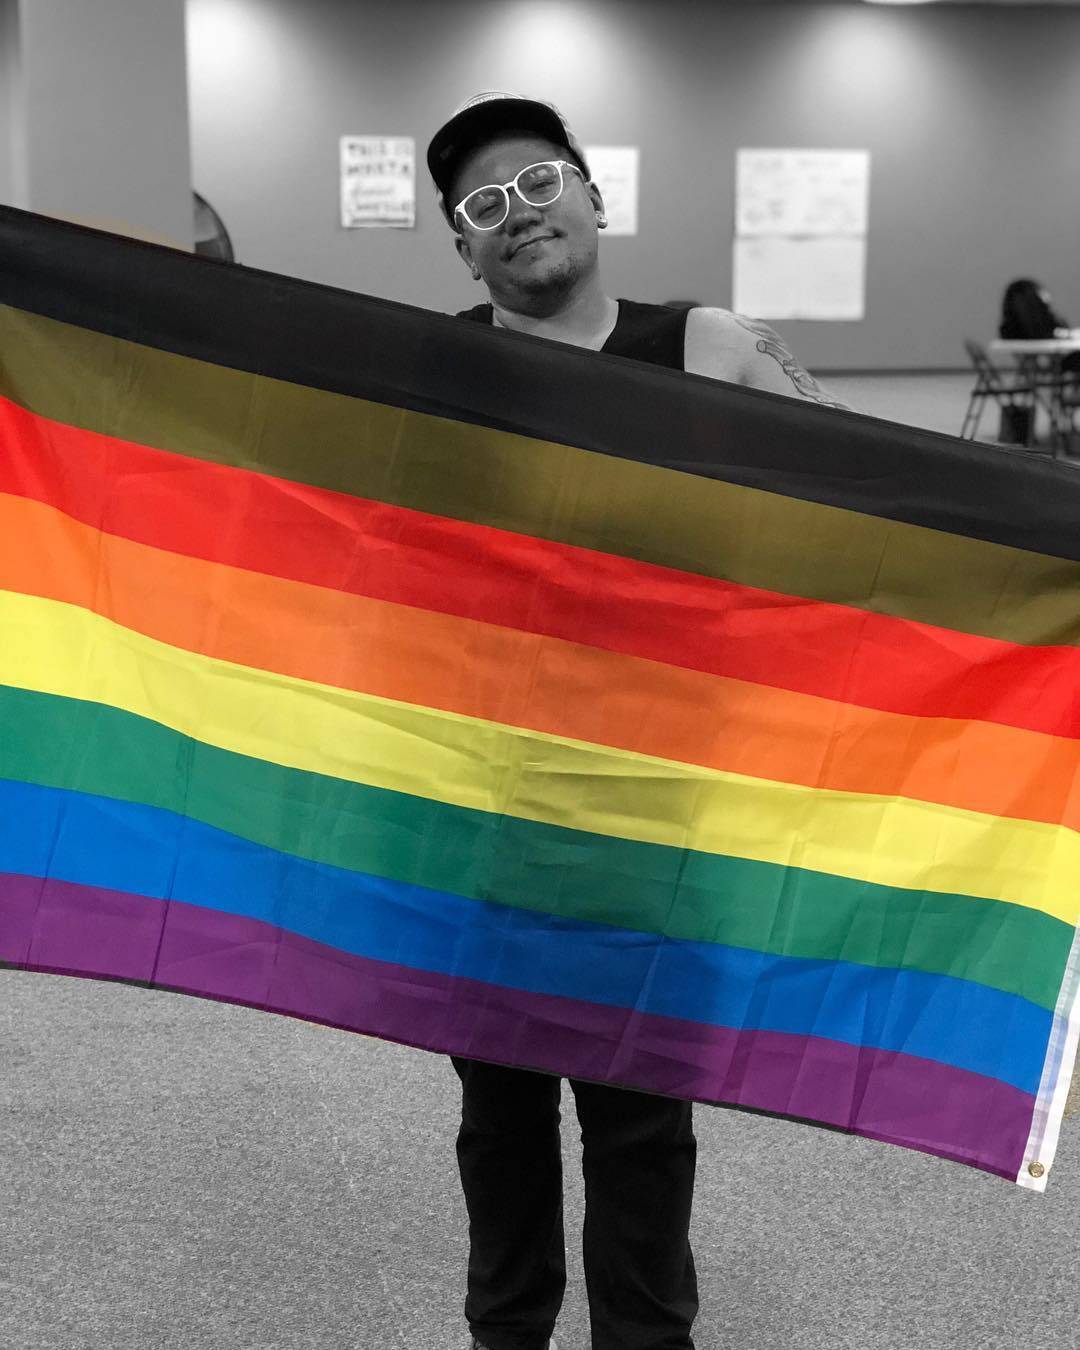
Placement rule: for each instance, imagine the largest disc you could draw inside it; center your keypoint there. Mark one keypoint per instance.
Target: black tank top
(655, 333)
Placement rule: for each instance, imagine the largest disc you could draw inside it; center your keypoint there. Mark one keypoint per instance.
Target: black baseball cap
(486, 115)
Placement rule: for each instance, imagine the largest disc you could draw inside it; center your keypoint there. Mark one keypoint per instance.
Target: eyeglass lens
(538, 184)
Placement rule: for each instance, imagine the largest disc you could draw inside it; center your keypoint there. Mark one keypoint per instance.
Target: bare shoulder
(729, 346)
(716, 344)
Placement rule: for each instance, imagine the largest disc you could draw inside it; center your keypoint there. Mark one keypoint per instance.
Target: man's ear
(598, 203)
(462, 246)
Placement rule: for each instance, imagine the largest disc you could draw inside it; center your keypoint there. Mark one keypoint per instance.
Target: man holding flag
(682, 740)
(513, 183)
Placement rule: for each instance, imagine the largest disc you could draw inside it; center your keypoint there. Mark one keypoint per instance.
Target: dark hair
(1024, 312)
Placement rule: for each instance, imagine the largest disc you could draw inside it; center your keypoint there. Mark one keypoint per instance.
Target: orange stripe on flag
(524, 679)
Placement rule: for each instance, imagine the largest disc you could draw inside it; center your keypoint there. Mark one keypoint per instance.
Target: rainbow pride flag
(506, 700)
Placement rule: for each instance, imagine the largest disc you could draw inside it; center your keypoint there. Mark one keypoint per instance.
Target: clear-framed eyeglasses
(487, 207)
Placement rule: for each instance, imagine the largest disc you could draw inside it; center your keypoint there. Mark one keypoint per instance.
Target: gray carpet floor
(936, 401)
(178, 1174)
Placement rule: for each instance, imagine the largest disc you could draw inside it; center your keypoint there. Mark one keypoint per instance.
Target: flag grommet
(1036, 1169)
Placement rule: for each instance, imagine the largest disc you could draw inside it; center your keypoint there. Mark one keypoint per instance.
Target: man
(513, 184)
(536, 252)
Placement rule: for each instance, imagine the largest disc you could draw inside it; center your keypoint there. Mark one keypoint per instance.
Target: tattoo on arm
(769, 343)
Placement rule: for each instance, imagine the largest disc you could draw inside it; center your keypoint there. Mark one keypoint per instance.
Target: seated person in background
(1026, 313)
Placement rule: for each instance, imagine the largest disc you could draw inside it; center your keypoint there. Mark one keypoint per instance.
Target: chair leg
(1030, 431)
(975, 406)
(1068, 433)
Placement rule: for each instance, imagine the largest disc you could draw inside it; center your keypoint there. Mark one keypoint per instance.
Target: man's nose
(521, 213)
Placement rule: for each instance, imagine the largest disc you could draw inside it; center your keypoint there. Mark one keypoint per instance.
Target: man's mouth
(527, 243)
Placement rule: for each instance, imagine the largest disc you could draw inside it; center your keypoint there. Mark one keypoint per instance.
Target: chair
(1067, 404)
(1058, 391)
(1013, 391)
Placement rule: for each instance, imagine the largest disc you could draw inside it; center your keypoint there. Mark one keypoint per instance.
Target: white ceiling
(985, 2)
(1013, 3)
(1001, 2)
(991, 2)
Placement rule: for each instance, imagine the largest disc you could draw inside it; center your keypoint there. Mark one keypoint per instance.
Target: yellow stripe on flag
(58, 649)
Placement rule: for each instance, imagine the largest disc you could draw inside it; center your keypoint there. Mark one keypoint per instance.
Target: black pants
(638, 1162)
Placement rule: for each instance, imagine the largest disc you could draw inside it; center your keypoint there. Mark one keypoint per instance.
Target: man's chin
(543, 278)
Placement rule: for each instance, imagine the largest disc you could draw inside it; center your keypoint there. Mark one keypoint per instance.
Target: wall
(970, 114)
(103, 108)
(12, 165)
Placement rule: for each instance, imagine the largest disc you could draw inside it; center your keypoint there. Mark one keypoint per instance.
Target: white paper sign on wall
(777, 277)
(802, 192)
(378, 182)
(800, 233)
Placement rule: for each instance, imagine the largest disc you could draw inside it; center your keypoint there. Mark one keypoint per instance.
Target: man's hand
(728, 346)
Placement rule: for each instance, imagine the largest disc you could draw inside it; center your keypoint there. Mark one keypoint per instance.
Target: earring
(601, 219)
(475, 272)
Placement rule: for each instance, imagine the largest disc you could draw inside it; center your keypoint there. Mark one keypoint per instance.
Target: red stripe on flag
(245, 519)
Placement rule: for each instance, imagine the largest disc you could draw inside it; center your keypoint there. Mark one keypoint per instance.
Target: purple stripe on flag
(919, 1103)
